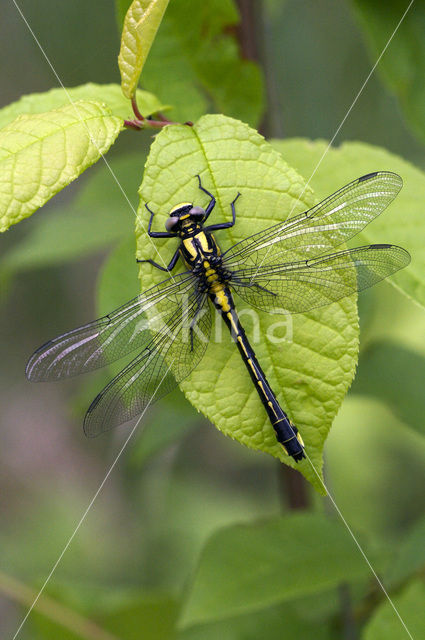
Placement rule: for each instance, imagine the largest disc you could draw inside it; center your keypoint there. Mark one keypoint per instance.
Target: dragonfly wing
(107, 339)
(321, 229)
(168, 358)
(297, 287)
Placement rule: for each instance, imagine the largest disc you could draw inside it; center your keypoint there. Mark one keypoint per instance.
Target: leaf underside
(42, 153)
(140, 26)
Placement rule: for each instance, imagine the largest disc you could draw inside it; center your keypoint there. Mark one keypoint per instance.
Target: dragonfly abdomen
(286, 433)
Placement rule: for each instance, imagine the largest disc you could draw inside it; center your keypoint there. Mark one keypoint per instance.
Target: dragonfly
(290, 267)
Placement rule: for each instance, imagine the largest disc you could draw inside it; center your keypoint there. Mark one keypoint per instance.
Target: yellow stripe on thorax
(188, 245)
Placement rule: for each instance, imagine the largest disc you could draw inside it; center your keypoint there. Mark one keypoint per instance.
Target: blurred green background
(180, 480)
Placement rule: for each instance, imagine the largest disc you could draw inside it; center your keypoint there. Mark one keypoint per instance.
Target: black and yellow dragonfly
(291, 267)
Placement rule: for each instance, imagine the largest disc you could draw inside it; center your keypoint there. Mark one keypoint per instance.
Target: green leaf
(117, 281)
(309, 370)
(402, 67)
(110, 94)
(374, 462)
(385, 372)
(40, 154)
(245, 568)
(385, 624)
(91, 615)
(155, 615)
(411, 555)
(271, 623)
(194, 66)
(98, 217)
(402, 224)
(140, 26)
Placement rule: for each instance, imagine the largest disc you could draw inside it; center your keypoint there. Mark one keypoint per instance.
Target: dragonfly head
(183, 212)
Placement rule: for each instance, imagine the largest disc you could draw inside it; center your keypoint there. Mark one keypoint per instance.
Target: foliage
(231, 157)
(402, 64)
(139, 30)
(192, 545)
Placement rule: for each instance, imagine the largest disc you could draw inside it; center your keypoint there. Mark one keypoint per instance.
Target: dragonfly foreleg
(170, 267)
(211, 203)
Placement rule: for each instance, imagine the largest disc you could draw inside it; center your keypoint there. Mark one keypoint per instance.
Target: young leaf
(140, 26)
(40, 154)
(244, 568)
(110, 94)
(309, 359)
(404, 222)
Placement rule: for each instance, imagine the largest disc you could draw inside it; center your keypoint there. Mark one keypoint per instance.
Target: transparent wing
(297, 287)
(320, 229)
(168, 358)
(107, 339)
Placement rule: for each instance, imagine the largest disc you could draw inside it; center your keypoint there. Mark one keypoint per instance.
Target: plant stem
(250, 32)
(136, 108)
(349, 627)
(254, 35)
(293, 488)
(55, 611)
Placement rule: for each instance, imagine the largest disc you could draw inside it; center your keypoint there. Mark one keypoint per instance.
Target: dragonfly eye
(171, 223)
(197, 212)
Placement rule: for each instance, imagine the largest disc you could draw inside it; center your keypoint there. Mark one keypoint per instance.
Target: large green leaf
(402, 224)
(245, 568)
(42, 153)
(140, 26)
(101, 214)
(402, 67)
(110, 94)
(196, 59)
(311, 369)
(386, 625)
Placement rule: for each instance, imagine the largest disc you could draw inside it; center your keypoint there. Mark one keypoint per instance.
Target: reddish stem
(136, 108)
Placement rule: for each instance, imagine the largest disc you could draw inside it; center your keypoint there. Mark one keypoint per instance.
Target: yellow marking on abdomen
(271, 405)
(300, 440)
(232, 322)
(241, 342)
(251, 364)
(217, 288)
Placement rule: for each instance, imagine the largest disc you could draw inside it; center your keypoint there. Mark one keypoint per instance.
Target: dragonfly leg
(156, 234)
(211, 203)
(225, 225)
(170, 267)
